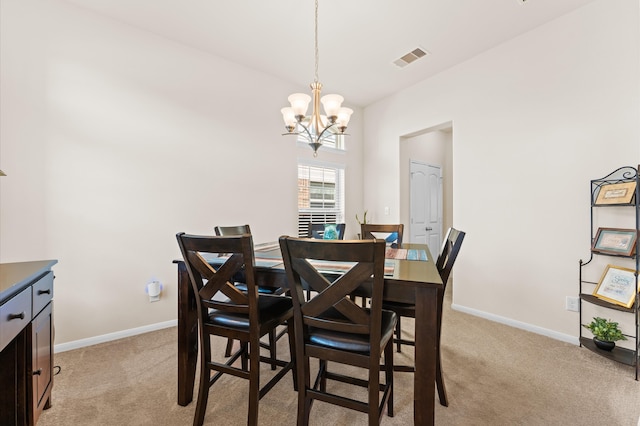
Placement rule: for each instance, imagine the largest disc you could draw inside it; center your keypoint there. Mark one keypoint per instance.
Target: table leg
(187, 337)
(425, 356)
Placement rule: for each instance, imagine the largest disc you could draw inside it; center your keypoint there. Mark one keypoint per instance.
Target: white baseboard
(77, 344)
(517, 324)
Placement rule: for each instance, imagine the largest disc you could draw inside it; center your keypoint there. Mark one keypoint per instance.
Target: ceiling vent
(410, 57)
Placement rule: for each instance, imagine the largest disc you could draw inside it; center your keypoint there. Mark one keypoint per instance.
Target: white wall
(533, 121)
(114, 140)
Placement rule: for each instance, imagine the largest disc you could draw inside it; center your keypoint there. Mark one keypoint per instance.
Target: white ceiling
(358, 39)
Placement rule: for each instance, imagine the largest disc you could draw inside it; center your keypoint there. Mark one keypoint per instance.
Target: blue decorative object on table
(330, 232)
(392, 237)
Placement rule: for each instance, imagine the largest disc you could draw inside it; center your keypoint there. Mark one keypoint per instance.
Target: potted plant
(364, 218)
(605, 333)
(363, 221)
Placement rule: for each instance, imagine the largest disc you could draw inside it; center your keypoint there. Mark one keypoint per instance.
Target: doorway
(431, 146)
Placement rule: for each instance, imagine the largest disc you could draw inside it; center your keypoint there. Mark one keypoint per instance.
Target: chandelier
(316, 128)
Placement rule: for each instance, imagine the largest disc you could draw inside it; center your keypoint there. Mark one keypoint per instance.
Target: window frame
(321, 215)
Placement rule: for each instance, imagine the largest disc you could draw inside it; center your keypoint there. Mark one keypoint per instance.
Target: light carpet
(495, 375)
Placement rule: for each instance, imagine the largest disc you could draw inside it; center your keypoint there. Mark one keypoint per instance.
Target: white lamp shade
(344, 115)
(299, 103)
(289, 116)
(332, 104)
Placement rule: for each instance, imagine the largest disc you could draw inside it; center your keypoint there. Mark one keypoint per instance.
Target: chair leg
(322, 371)
(374, 393)
(388, 362)
(304, 383)
(244, 357)
(292, 353)
(227, 351)
(272, 347)
(442, 391)
(203, 391)
(254, 382)
(398, 337)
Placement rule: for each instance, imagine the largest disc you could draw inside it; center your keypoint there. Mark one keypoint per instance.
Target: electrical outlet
(572, 304)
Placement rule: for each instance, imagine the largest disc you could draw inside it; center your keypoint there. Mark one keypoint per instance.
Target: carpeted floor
(495, 375)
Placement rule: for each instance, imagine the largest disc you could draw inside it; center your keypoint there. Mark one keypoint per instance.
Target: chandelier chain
(316, 41)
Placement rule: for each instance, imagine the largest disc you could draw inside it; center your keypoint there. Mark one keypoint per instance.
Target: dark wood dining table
(411, 281)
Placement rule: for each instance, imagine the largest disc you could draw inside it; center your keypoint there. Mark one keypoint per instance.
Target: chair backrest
(232, 230)
(207, 281)
(316, 230)
(448, 253)
(331, 308)
(366, 230)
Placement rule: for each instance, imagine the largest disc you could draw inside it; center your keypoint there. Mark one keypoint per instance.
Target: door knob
(429, 229)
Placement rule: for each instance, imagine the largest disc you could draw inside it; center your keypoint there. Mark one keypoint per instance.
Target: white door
(425, 199)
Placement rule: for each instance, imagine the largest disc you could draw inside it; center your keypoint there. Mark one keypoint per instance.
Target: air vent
(410, 57)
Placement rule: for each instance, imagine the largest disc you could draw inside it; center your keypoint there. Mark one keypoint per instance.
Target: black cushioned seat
(352, 342)
(270, 308)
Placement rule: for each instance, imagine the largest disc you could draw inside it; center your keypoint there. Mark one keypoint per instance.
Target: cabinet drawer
(14, 316)
(42, 292)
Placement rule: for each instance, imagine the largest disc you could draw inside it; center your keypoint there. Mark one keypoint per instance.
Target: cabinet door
(42, 361)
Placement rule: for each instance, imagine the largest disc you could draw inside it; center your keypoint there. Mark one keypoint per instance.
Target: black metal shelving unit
(619, 354)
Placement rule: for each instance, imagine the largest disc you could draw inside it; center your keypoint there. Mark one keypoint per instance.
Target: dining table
(411, 276)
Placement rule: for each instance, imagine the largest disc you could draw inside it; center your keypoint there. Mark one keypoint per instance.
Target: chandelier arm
(322, 136)
(306, 130)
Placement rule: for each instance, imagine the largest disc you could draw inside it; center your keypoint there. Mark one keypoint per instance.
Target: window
(320, 195)
(333, 141)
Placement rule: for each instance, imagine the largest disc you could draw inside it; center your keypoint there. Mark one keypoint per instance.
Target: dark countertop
(15, 277)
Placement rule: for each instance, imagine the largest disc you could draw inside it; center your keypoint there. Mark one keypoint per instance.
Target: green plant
(606, 330)
(364, 218)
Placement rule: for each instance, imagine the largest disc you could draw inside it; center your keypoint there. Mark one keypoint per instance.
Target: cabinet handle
(16, 316)
(47, 291)
(37, 372)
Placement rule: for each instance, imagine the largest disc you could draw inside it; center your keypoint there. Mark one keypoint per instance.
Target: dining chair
(238, 282)
(331, 327)
(224, 310)
(317, 230)
(392, 235)
(446, 258)
(394, 232)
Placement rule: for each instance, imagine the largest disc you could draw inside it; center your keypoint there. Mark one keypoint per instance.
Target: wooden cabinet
(41, 360)
(26, 341)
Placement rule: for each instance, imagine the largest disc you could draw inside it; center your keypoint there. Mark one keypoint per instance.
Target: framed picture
(618, 286)
(615, 241)
(616, 193)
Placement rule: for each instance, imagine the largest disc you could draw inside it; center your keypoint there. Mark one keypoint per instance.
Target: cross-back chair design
(394, 237)
(239, 283)
(446, 258)
(331, 327)
(316, 230)
(367, 230)
(224, 310)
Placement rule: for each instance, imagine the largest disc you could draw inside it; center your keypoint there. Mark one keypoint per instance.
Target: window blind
(320, 195)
